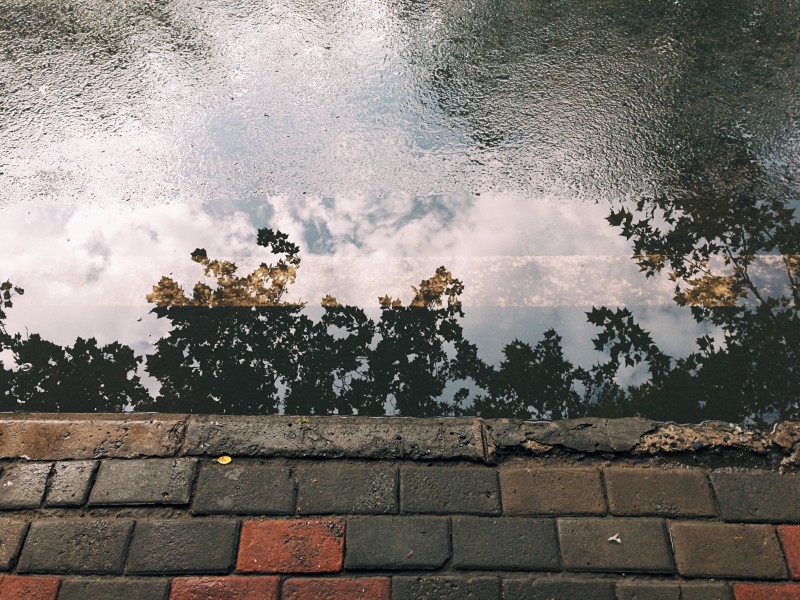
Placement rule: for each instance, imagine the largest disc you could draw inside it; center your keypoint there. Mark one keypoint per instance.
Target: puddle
(612, 192)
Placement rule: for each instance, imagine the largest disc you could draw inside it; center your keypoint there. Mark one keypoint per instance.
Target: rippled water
(532, 148)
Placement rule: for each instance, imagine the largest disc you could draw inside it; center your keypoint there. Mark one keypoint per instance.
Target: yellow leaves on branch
(263, 287)
(431, 293)
(712, 291)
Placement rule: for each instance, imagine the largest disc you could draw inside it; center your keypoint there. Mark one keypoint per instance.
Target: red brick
(291, 546)
(328, 588)
(225, 588)
(28, 588)
(790, 538)
(766, 591)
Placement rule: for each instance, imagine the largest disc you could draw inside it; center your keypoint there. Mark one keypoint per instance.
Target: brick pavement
(564, 526)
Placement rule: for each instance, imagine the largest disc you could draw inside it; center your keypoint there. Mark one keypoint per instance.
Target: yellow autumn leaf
(224, 460)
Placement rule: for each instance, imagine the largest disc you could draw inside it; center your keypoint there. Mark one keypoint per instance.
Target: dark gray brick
(548, 491)
(328, 488)
(706, 591)
(148, 481)
(246, 488)
(659, 492)
(766, 497)
(445, 588)
(639, 590)
(449, 490)
(79, 547)
(397, 542)
(22, 485)
(505, 543)
(587, 545)
(198, 546)
(69, 485)
(727, 550)
(11, 533)
(549, 588)
(105, 589)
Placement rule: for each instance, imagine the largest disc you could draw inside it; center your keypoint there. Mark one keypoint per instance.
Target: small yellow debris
(302, 420)
(224, 460)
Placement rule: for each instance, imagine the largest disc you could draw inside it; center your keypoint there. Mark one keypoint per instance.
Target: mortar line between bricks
(671, 543)
(131, 533)
(499, 492)
(237, 540)
(668, 535)
(484, 442)
(183, 429)
(604, 487)
(558, 547)
(294, 480)
(193, 484)
(47, 483)
(92, 480)
(12, 568)
(397, 490)
(714, 499)
(783, 552)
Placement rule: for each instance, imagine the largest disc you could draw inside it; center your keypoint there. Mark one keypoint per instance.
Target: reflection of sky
(386, 137)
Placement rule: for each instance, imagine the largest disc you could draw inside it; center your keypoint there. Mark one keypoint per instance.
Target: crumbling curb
(82, 436)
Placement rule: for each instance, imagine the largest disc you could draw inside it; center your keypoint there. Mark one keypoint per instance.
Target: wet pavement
(95, 507)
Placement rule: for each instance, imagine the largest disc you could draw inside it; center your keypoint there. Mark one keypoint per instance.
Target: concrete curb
(49, 436)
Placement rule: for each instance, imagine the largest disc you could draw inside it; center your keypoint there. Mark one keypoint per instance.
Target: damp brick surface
(609, 525)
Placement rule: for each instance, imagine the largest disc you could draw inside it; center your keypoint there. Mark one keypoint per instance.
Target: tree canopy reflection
(237, 346)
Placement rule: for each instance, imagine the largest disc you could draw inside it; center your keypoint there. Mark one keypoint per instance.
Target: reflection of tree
(735, 262)
(238, 348)
(532, 382)
(84, 377)
(421, 349)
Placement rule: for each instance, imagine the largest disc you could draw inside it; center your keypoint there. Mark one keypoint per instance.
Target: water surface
(616, 185)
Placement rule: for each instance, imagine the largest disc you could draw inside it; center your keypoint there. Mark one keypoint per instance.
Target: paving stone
(225, 588)
(766, 591)
(449, 490)
(583, 435)
(291, 546)
(765, 497)
(11, 533)
(110, 589)
(339, 588)
(351, 437)
(445, 588)
(327, 488)
(243, 488)
(704, 549)
(548, 588)
(505, 543)
(659, 492)
(56, 437)
(790, 539)
(198, 546)
(28, 588)
(70, 482)
(705, 591)
(154, 481)
(22, 485)
(638, 590)
(397, 543)
(79, 547)
(587, 545)
(552, 491)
